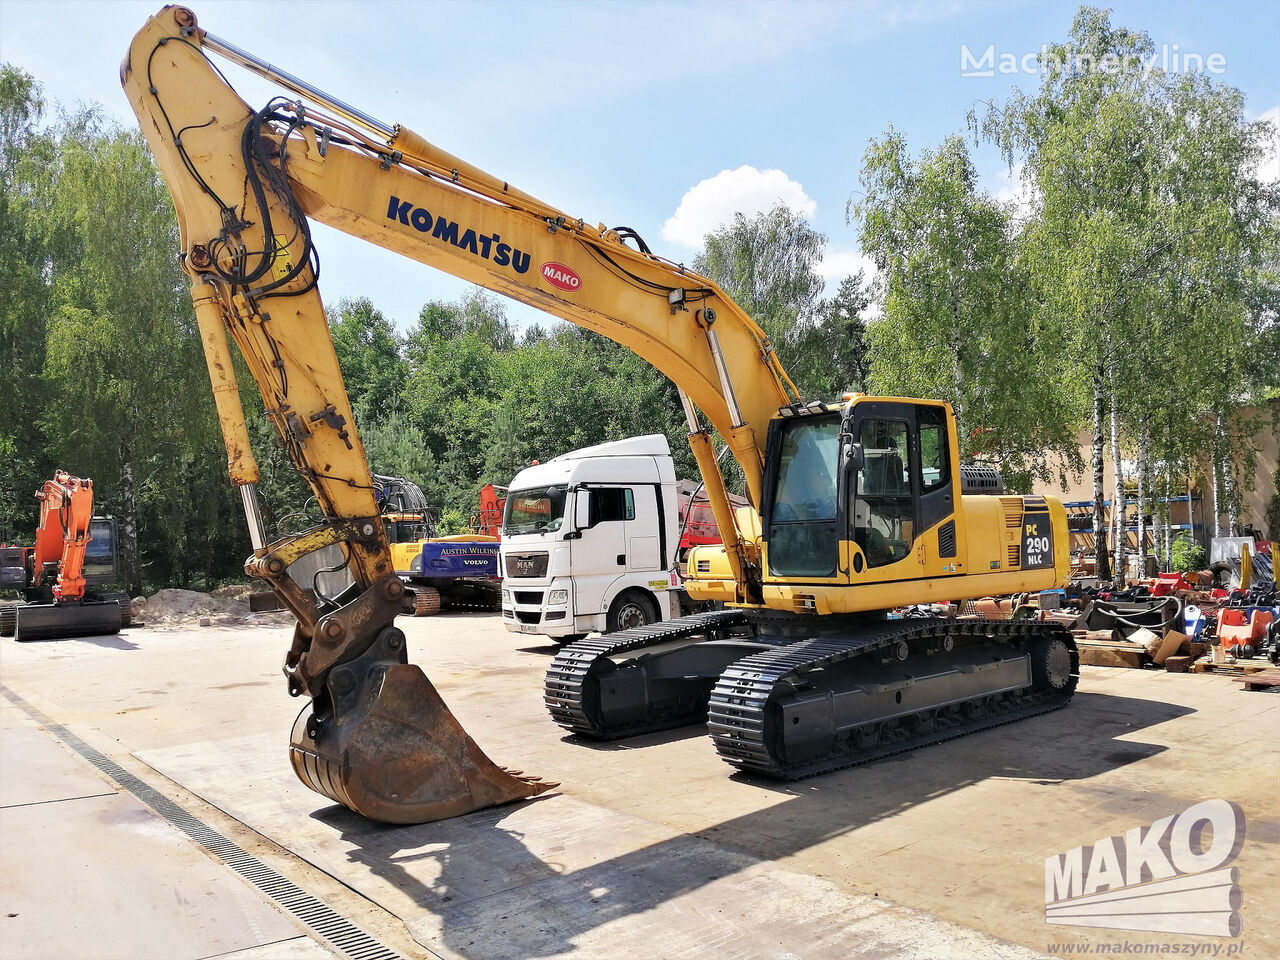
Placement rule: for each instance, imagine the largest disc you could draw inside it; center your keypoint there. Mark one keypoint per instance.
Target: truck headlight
(506, 598)
(558, 596)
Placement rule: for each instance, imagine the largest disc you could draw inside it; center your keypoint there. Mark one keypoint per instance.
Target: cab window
(934, 460)
(612, 503)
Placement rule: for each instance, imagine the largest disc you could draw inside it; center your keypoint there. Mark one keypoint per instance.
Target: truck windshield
(538, 510)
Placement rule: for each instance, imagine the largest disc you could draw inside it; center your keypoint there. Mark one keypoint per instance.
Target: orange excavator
(74, 550)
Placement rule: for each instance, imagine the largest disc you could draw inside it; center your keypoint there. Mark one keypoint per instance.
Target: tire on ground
(631, 608)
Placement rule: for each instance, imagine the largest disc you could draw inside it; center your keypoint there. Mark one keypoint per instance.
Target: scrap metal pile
(1178, 622)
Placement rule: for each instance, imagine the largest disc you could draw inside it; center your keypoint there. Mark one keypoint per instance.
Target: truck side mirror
(581, 509)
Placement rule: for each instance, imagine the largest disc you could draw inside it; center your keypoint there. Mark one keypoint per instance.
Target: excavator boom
(375, 735)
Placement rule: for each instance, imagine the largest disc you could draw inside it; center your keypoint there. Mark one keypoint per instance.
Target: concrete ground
(650, 848)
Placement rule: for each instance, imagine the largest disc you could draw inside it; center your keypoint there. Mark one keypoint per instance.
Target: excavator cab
(100, 563)
(853, 493)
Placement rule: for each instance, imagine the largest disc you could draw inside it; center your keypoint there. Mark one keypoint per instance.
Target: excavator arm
(66, 507)
(376, 736)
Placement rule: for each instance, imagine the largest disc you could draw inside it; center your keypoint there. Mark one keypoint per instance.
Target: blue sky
(640, 113)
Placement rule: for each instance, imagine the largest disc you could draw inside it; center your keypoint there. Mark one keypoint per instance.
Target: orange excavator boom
(66, 507)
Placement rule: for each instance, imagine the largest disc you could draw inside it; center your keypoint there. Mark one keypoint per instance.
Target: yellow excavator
(859, 507)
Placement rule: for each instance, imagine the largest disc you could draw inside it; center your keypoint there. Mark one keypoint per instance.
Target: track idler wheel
(426, 601)
(1054, 664)
(384, 744)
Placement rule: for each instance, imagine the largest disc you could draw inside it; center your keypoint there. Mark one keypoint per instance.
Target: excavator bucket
(393, 752)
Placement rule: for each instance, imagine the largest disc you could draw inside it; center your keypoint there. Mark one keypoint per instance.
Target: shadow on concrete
(116, 642)
(657, 738)
(110, 641)
(497, 901)
(547, 650)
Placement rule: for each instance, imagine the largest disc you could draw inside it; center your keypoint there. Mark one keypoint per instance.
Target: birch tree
(958, 323)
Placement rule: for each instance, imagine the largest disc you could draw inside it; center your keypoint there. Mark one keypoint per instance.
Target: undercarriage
(791, 696)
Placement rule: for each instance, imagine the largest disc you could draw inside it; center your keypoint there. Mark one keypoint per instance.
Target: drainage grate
(331, 927)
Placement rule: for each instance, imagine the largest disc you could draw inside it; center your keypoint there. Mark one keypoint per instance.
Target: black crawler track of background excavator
(793, 696)
(62, 621)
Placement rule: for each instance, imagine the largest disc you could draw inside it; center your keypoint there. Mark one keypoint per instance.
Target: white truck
(589, 541)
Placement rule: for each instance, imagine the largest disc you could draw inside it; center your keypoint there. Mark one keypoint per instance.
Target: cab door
(901, 503)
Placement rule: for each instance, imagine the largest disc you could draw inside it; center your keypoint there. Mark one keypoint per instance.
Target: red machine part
(1242, 627)
(66, 507)
(1168, 584)
(492, 503)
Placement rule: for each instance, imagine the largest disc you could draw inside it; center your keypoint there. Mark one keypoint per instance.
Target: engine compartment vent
(977, 478)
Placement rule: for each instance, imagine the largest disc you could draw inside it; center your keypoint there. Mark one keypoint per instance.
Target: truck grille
(527, 564)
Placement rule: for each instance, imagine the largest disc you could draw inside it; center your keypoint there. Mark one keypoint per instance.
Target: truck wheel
(632, 608)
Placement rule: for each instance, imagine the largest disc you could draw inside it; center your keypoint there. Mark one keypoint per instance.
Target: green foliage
(370, 353)
(1150, 244)
(1188, 556)
(767, 266)
(26, 241)
(829, 347)
(958, 322)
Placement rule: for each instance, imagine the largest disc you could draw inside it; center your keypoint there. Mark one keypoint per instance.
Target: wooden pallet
(1260, 680)
(1238, 669)
(1105, 653)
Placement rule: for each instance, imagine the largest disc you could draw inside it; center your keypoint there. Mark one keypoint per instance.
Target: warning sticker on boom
(281, 260)
(1037, 541)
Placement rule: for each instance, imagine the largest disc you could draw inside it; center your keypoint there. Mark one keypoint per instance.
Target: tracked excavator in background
(61, 576)
(860, 506)
(450, 572)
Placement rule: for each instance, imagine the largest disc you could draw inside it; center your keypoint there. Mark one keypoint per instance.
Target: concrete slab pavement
(651, 845)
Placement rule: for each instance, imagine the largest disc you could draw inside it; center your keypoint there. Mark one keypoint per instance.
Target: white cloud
(838, 264)
(1269, 167)
(1016, 190)
(746, 190)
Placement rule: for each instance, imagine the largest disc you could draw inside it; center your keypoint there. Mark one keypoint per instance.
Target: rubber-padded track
(563, 688)
(739, 715)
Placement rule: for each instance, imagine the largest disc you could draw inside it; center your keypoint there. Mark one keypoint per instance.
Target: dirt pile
(223, 607)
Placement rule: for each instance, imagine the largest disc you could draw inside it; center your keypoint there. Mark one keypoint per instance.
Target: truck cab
(589, 541)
